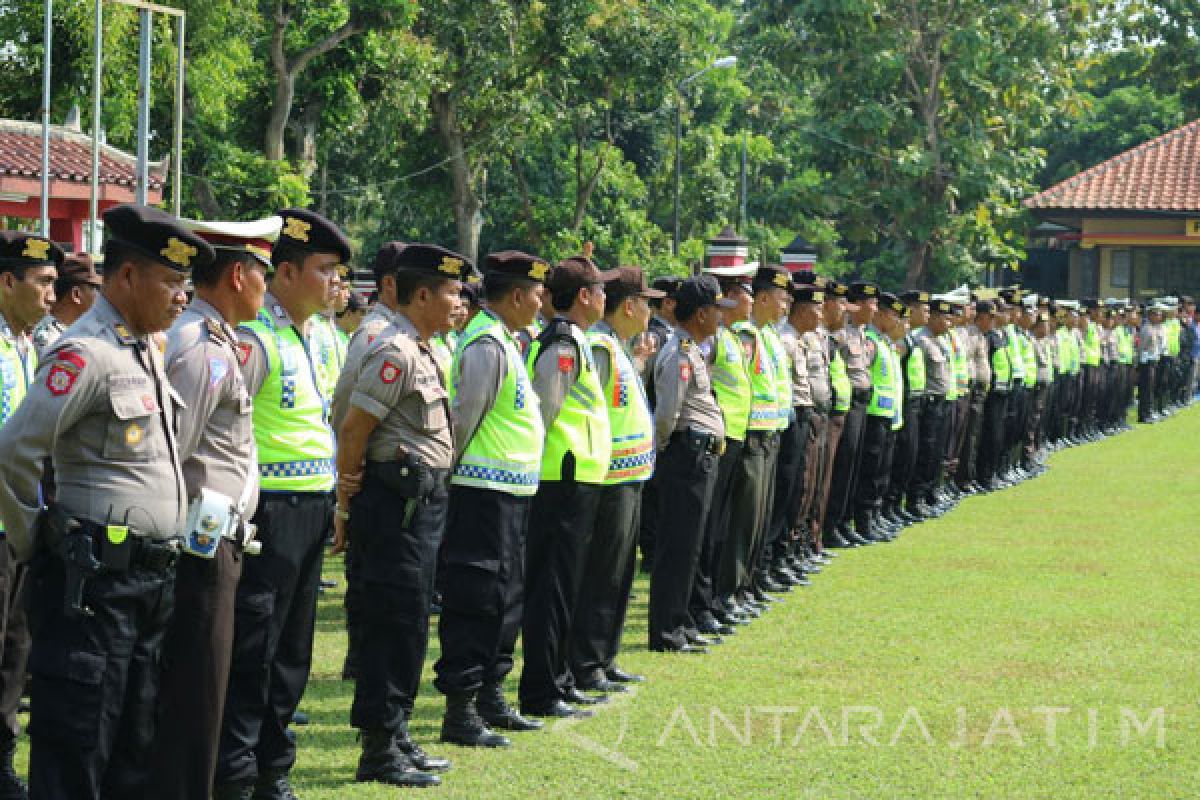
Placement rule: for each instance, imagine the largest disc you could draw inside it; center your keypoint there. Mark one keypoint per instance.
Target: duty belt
(709, 442)
(118, 547)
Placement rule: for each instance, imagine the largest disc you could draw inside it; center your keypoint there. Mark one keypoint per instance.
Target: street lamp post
(720, 63)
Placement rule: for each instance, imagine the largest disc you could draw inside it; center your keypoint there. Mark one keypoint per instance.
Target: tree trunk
(465, 202)
(532, 232)
(918, 266)
(206, 199)
(310, 121)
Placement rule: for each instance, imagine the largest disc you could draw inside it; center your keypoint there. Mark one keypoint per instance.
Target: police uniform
(995, 407)
(574, 463)
(498, 437)
(852, 346)
(220, 470)
(690, 433)
(842, 398)
(611, 557)
(881, 412)
(102, 409)
(275, 608)
(659, 330)
(811, 347)
(935, 414)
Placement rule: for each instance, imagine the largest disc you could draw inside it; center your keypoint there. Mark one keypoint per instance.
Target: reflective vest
(781, 362)
(291, 428)
(1068, 351)
(1171, 327)
(731, 384)
(1125, 345)
(914, 368)
(505, 453)
(328, 352)
(898, 372)
(629, 419)
(839, 380)
(1091, 345)
(1030, 358)
(1001, 370)
(16, 373)
(581, 427)
(1016, 356)
(764, 405)
(883, 378)
(443, 354)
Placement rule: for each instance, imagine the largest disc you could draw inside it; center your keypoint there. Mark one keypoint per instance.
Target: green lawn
(923, 668)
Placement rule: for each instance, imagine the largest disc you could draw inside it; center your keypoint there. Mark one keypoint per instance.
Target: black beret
(668, 284)
(860, 290)
(914, 296)
(433, 260)
(517, 264)
(805, 277)
(808, 294)
(984, 307)
(942, 307)
(19, 249)
(1088, 303)
(835, 288)
(310, 231)
(159, 236)
(772, 277)
(892, 303)
(386, 258)
(698, 292)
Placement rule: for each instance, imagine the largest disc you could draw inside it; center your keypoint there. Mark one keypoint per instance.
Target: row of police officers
(503, 441)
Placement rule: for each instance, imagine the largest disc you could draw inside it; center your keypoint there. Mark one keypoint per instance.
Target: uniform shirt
(551, 381)
(660, 330)
(46, 333)
(1108, 346)
(962, 341)
(399, 383)
(684, 391)
(373, 324)
(853, 344)
(101, 407)
(1148, 344)
(813, 345)
(938, 372)
(1045, 359)
(481, 371)
(216, 430)
(802, 395)
(978, 357)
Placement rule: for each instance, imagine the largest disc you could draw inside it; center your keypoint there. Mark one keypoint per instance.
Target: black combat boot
(463, 725)
(382, 762)
(497, 713)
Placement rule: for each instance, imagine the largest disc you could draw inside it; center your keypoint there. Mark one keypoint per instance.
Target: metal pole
(143, 134)
(48, 42)
(678, 168)
(97, 91)
(742, 216)
(181, 68)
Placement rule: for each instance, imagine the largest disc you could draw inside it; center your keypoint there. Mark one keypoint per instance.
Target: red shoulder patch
(389, 372)
(62, 376)
(566, 363)
(685, 371)
(243, 352)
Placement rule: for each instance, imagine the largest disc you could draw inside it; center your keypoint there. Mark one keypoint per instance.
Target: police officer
(574, 463)
(394, 454)
(662, 323)
(74, 292)
(935, 415)
(216, 445)
(805, 319)
(1149, 354)
(27, 280)
(852, 346)
(610, 561)
(908, 438)
(995, 406)
(275, 610)
(498, 441)
(102, 409)
(833, 318)
(689, 434)
(881, 409)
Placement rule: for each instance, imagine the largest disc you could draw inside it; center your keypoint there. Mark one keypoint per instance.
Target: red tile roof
(70, 156)
(1162, 174)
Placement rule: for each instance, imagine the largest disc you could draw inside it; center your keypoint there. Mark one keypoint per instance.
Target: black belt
(862, 396)
(408, 478)
(134, 550)
(701, 440)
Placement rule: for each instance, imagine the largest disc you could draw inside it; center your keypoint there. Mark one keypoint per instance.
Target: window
(1121, 261)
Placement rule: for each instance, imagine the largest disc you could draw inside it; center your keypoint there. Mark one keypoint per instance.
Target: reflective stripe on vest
(629, 418)
(731, 384)
(291, 428)
(581, 427)
(839, 380)
(16, 373)
(505, 452)
(883, 378)
(1091, 345)
(898, 371)
(764, 405)
(914, 368)
(1001, 369)
(781, 362)
(1016, 360)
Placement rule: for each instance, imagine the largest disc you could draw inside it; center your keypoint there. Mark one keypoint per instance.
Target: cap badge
(296, 228)
(781, 280)
(451, 266)
(179, 253)
(538, 270)
(36, 248)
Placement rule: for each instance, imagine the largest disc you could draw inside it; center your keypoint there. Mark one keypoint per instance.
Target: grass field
(1039, 642)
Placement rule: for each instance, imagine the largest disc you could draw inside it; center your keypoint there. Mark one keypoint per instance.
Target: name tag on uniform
(210, 516)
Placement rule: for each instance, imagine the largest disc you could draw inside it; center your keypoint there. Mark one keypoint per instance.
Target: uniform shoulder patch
(244, 349)
(566, 363)
(685, 370)
(389, 372)
(218, 368)
(64, 372)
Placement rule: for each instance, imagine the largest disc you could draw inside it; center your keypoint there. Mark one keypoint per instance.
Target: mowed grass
(1038, 642)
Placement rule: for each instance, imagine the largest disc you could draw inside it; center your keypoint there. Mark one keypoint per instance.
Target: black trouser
(968, 458)
(395, 538)
(687, 472)
(1091, 396)
(758, 545)
(14, 633)
(274, 617)
(991, 437)
(708, 589)
(483, 588)
(95, 681)
(789, 486)
(648, 523)
(808, 515)
(1014, 418)
(904, 455)
(195, 672)
(1033, 425)
(1162, 389)
(846, 462)
(746, 506)
(561, 522)
(871, 476)
(834, 427)
(607, 580)
(934, 413)
(1146, 382)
